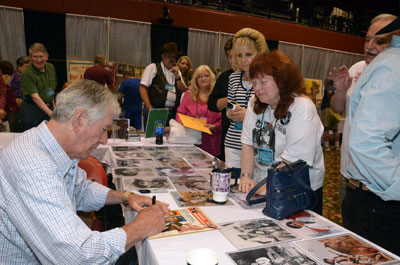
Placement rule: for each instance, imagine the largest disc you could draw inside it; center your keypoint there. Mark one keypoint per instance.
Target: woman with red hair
(281, 123)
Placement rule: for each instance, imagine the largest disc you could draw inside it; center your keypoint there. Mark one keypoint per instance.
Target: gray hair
(86, 94)
(384, 17)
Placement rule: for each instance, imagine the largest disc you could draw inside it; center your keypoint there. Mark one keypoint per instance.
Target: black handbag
(288, 190)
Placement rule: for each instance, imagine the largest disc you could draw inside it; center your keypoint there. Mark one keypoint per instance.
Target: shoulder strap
(254, 190)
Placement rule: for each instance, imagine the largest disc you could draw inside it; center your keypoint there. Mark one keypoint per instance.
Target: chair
(95, 171)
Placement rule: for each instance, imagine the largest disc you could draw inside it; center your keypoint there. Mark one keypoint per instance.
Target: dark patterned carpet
(331, 186)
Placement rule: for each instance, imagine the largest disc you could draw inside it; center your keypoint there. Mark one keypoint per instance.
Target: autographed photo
(307, 225)
(283, 254)
(133, 172)
(254, 233)
(204, 163)
(122, 148)
(147, 162)
(168, 161)
(190, 183)
(150, 183)
(345, 249)
(176, 171)
(131, 154)
(195, 198)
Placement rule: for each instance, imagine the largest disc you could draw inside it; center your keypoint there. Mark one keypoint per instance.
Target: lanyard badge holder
(265, 155)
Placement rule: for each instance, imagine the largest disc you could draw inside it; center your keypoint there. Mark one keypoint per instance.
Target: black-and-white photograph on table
(282, 254)
(255, 233)
(133, 172)
(196, 155)
(168, 161)
(123, 148)
(188, 149)
(158, 148)
(205, 163)
(147, 162)
(175, 171)
(149, 183)
(131, 154)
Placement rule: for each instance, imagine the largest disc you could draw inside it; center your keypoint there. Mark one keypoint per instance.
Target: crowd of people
(258, 113)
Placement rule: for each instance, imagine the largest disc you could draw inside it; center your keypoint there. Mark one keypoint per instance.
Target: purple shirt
(15, 83)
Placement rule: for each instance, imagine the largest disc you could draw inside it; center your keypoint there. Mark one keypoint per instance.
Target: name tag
(265, 155)
(169, 87)
(49, 92)
(238, 125)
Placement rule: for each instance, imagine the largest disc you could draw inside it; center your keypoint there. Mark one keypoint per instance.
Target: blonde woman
(247, 43)
(194, 104)
(185, 66)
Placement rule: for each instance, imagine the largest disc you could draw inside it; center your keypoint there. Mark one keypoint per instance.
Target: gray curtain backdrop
(12, 34)
(316, 63)
(129, 42)
(86, 37)
(207, 47)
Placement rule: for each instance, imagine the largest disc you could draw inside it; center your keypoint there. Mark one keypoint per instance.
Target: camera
(231, 105)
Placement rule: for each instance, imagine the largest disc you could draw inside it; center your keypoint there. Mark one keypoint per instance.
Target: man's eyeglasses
(203, 76)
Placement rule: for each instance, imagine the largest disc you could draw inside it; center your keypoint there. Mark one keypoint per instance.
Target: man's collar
(165, 68)
(61, 159)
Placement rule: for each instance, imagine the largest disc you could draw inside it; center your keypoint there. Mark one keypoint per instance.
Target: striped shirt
(41, 189)
(238, 93)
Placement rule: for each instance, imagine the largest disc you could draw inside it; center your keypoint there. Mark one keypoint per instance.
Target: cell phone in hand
(231, 105)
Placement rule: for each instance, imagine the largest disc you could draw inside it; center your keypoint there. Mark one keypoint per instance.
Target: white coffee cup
(202, 256)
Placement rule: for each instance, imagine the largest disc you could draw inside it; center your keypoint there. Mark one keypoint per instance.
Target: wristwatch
(248, 175)
(178, 78)
(125, 201)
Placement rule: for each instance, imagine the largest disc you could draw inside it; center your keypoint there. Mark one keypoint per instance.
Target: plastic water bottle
(159, 132)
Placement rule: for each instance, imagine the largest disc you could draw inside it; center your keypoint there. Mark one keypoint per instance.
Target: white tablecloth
(171, 250)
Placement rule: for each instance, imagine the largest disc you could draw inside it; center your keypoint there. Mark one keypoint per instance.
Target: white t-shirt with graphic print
(297, 136)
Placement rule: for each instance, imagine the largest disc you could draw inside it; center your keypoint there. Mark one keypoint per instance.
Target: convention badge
(238, 125)
(49, 92)
(169, 86)
(265, 155)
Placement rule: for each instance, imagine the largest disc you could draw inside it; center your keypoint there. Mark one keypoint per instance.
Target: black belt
(355, 184)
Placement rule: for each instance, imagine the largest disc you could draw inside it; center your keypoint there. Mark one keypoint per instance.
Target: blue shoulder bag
(288, 190)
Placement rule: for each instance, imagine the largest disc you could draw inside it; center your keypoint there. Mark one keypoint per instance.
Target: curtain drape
(316, 63)
(48, 28)
(85, 37)
(130, 42)
(12, 36)
(207, 47)
(223, 61)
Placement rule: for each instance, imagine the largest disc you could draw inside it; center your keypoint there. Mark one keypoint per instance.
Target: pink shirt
(209, 143)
